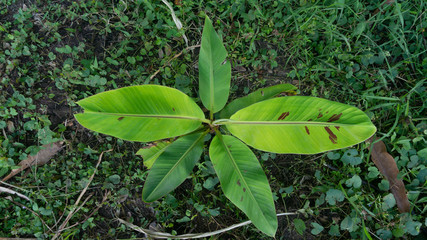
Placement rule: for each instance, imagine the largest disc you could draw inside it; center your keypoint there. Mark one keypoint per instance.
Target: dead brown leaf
(388, 168)
(41, 158)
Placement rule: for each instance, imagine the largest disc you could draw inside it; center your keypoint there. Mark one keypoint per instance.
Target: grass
(365, 53)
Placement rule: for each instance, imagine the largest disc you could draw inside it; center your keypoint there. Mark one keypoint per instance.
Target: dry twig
(75, 208)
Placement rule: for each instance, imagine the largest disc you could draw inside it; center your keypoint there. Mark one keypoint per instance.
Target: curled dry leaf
(41, 158)
(388, 168)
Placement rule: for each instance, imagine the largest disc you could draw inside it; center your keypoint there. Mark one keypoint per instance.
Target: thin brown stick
(161, 235)
(75, 209)
(93, 212)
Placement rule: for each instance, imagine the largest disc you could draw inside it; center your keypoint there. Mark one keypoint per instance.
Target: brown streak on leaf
(120, 118)
(283, 116)
(306, 130)
(335, 117)
(337, 127)
(388, 168)
(320, 115)
(241, 199)
(173, 109)
(332, 136)
(238, 182)
(41, 158)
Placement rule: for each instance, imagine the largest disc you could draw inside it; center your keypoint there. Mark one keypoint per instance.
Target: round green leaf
(141, 113)
(304, 125)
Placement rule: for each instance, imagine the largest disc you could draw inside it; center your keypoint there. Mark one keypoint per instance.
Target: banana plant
(264, 120)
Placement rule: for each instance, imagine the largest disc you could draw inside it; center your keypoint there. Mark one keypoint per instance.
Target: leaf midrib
(232, 122)
(240, 175)
(144, 115)
(211, 73)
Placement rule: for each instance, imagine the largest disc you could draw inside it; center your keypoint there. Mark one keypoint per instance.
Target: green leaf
(214, 70)
(183, 219)
(373, 172)
(173, 166)
(413, 227)
(151, 153)
(300, 124)
(384, 185)
(334, 230)
(317, 228)
(210, 183)
(398, 232)
(114, 179)
(257, 96)
(333, 196)
(299, 226)
(243, 181)
(141, 113)
(349, 224)
(384, 234)
(389, 202)
(355, 182)
(350, 157)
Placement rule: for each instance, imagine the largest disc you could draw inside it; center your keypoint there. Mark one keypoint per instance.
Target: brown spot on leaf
(337, 127)
(306, 130)
(332, 136)
(244, 189)
(320, 115)
(238, 182)
(283, 116)
(173, 109)
(335, 117)
(120, 118)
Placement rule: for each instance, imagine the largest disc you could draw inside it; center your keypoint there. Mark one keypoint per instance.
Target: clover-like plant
(262, 120)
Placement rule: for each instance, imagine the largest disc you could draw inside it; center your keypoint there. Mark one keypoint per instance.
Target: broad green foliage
(173, 166)
(243, 181)
(281, 124)
(262, 120)
(214, 70)
(257, 96)
(151, 153)
(141, 113)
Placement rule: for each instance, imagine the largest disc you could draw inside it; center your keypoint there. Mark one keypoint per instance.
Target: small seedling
(262, 120)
